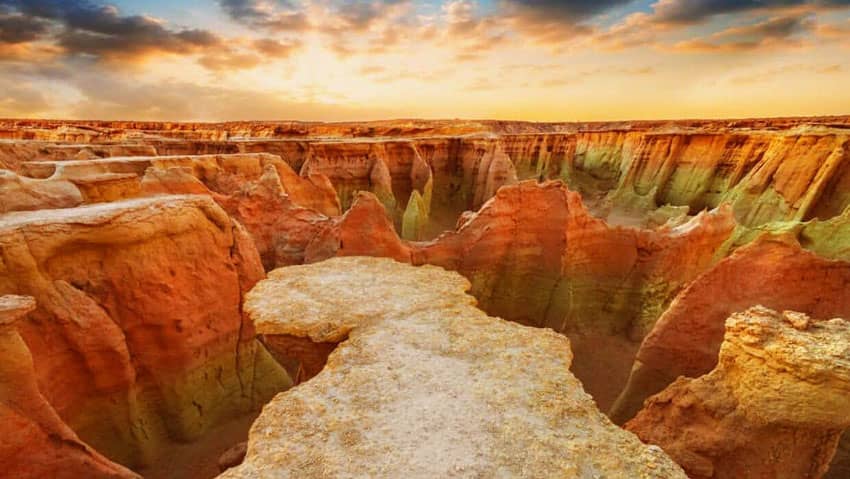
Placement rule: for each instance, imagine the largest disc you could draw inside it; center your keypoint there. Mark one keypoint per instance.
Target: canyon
(425, 298)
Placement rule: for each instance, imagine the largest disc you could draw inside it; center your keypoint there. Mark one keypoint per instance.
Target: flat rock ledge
(424, 384)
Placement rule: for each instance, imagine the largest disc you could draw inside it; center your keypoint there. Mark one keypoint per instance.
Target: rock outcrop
(774, 406)
(535, 255)
(281, 210)
(685, 341)
(36, 443)
(636, 240)
(425, 385)
(19, 193)
(138, 338)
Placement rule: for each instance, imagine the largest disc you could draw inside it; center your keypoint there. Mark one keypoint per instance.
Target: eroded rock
(425, 385)
(775, 273)
(535, 255)
(138, 338)
(36, 443)
(774, 406)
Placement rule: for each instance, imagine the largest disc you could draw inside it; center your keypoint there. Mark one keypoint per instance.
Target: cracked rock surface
(422, 389)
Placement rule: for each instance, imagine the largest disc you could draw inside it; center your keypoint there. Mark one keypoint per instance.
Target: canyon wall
(774, 405)
(138, 338)
(636, 240)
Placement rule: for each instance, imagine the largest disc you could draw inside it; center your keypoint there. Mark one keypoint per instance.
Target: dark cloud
(774, 32)
(101, 31)
(21, 29)
(551, 22)
(697, 11)
(85, 29)
(571, 11)
(360, 15)
(286, 17)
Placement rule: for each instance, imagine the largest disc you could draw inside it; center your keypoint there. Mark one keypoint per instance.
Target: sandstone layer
(280, 209)
(138, 338)
(774, 406)
(535, 255)
(36, 443)
(430, 387)
(775, 273)
(635, 239)
(782, 169)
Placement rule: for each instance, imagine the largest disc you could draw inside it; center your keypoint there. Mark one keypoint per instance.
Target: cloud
(274, 48)
(21, 100)
(570, 11)
(279, 16)
(82, 28)
(246, 54)
(697, 11)
(770, 33)
(21, 29)
(86, 28)
(112, 98)
(781, 72)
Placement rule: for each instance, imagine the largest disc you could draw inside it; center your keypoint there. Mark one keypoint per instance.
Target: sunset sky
(345, 60)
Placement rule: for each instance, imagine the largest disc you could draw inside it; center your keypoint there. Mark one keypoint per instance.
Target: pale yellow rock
(306, 301)
(426, 386)
(14, 307)
(776, 363)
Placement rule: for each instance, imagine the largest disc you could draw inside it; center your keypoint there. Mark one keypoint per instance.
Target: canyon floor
(412, 298)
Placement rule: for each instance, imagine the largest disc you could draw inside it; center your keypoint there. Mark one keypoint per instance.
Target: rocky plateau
(411, 298)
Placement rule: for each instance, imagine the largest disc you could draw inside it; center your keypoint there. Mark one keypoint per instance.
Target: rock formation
(425, 385)
(636, 240)
(281, 210)
(685, 341)
(536, 256)
(138, 338)
(36, 443)
(19, 193)
(774, 406)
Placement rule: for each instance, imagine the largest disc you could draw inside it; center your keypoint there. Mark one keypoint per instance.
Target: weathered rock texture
(775, 273)
(35, 442)
(425, 385)
(281, 210)
(641, 224)
(774, 406)
(138, 338)
(536, 256)
(19, 193)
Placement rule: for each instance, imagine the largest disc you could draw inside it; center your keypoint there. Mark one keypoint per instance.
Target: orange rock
(774, 406)
(36, 443)
(535, 255)
(18, 193)
(686, 339)
(138, 338)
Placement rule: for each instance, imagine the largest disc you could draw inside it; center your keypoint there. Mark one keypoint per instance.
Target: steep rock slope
(774, 406)
(138, 338)
(536, 256)
(281, 210)
(36, 443)
(774, 272)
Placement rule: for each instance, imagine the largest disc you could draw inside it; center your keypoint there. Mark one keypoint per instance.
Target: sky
(334, 60)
